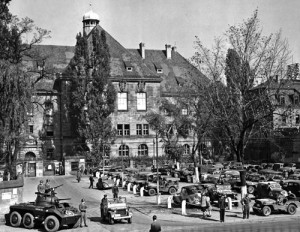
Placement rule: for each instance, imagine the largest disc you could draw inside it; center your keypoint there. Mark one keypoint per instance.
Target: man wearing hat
(47, 186)
(104, 206)
(82, 209)
(41, 187)
(246, 206)
(222, 206)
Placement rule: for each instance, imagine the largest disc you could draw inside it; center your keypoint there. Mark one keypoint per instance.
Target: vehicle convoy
(116, 211)
(47, 209)
(275, 203)
(166, 185)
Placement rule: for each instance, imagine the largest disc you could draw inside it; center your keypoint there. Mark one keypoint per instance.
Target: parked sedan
(291, 185)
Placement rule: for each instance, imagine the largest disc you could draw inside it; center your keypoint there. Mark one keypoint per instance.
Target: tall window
(123, 150)
(141, 101)
(142, 129)
(49, 131)
(283, 119)
(282, 100)
(123, 129)
(31, 129)
(122, 101)
(184, 111)
(297, 119)
(143, 150)
(186, 148)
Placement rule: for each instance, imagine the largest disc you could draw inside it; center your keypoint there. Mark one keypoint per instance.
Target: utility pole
(158, 196)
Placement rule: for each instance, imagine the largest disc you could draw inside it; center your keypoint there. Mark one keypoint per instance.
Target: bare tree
(236, 64)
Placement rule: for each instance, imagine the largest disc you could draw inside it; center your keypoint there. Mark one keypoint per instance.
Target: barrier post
(123, 183)
(170, 198)
(128, 187)
(118, 182)
(142, 191)
(134, 189)
(183, 207)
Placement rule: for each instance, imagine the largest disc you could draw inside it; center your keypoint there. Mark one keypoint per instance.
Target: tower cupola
(90, 20)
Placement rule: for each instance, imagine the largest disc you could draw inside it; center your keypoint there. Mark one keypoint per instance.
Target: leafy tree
(93, 95)
(238, 107)
(16, 84)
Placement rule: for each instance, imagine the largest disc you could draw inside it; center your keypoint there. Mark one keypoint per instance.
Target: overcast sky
(160, 22)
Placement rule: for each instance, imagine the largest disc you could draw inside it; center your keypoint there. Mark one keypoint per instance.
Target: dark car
(185, 174)
(291, 185)
(190, 194)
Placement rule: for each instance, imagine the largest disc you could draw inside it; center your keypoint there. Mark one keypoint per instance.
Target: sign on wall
(6, 196)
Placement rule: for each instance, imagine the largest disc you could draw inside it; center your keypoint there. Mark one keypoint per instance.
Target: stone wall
(11, 192)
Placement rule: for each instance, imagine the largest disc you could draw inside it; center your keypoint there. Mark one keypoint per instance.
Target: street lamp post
(156, 138)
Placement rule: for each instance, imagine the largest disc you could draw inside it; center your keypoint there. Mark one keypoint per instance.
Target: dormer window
(158, 68)
(129, 66)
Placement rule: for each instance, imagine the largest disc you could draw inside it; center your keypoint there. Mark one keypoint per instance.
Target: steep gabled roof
(176, 70)
(120, 56)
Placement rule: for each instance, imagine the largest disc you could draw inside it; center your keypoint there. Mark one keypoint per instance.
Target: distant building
(141, 77)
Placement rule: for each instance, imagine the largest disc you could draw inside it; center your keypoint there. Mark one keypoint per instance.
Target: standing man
(246, 206)
(222, 206)
(47, 186)
(41, 187)
(104, 206)
(91, 182)
(78, 175)
(155, 226)
(82, 209)
(115, 191)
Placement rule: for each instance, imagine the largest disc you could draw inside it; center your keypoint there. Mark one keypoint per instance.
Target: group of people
(44, 188)
(245, 201)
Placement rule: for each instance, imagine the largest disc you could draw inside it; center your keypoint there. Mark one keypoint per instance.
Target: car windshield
(290, 165)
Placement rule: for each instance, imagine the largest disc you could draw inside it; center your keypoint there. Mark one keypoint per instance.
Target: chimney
(168, 51)
(142, 50)
(174, 49)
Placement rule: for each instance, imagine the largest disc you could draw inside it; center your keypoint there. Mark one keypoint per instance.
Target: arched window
(143, 150)
(30, 156)
(123, 150)
(186, 148)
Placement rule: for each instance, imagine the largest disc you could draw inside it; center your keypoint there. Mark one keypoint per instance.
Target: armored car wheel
(266, 211)
(51, 224)
(28, 220)
(152, 192)
(172, 191)
(15, 219)
(291, 209)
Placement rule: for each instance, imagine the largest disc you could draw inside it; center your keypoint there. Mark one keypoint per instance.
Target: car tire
(152, 192)
(266, 211)
(172, 190)
(51, 224)
(251, 189)
(129, 220)
(28, 221)
(15, 219)
(292, 209)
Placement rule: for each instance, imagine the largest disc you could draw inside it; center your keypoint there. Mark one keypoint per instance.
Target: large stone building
(141, 78)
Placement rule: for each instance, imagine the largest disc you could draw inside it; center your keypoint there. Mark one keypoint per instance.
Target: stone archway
(30, 156)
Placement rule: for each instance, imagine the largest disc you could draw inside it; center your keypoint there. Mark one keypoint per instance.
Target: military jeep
(166, 185)
(116, 211)
(269, 205)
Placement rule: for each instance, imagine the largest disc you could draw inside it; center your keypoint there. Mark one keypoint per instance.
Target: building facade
(141, 77)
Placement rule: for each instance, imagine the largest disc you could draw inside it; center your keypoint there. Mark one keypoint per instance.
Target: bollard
(183, 207)
(115, 179)
(229, 203)
(134, 189)
(158, 200)
(128, 187)
(123, 183)
(118, 182)
(97, 174)
(170, 198)
(142, 191)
